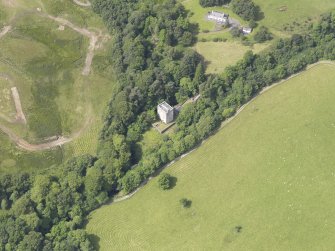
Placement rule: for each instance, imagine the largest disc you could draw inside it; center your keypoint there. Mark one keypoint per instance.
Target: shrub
(165, 181)
(185, 203)
(263, 35)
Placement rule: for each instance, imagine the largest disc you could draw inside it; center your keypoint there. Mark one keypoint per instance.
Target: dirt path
(20, 117)
(94, 39)
(225, 123)
(25, 145)
(86, 4)
(5, 30)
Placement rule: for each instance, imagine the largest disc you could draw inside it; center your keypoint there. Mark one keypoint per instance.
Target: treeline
(47, 212)
(210, 3)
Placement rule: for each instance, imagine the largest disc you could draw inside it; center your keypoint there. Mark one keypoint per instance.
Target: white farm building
(218, 17)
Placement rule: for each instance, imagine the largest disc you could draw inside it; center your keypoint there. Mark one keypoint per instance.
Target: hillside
(268, 171)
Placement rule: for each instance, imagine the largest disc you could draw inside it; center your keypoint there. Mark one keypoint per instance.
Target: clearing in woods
(263, 182)
(282, 17)
(54, 56)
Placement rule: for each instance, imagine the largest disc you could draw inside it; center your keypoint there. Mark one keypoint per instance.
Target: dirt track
(94, 38)
(23, 144)
(20, 117)
(87, 4)
(96, 41)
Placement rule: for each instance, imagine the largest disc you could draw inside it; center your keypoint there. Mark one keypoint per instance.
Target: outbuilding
(246, 30)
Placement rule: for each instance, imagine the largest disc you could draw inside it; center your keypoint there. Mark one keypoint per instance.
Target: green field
(268, 173)
(44, 60)
(219, 55)
(296, 11)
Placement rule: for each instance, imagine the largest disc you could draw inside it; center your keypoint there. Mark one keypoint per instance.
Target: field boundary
(224, 124)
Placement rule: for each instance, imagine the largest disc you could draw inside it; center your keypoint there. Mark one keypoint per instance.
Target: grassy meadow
(219, 55)
(278, 13)
(44, 61)
(263, 182)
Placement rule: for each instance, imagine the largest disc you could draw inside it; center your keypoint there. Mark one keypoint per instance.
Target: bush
(185, 203)
(165, 181)
(235, 32)
(263, 35)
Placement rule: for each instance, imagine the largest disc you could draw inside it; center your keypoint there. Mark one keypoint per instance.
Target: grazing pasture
(277, 13)
(219, 55)
(263, 182)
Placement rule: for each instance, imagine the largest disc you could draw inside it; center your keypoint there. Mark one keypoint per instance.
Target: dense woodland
(152, 61)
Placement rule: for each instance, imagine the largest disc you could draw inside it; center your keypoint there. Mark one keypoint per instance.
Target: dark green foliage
(165, 181)
(33, 241)
(210, 3)
(262, 35)
(246, 9)
(236, 32)
(185, 203)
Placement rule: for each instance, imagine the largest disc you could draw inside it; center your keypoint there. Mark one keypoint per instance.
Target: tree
(210, 3)
(165, 181)
(262, 35)
(185, 203)
(4, 204)
(33, 241)
(235, 32)
(245, 9)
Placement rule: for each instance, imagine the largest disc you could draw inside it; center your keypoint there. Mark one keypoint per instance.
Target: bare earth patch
(5, 30)
(20, 117)
(86, 3)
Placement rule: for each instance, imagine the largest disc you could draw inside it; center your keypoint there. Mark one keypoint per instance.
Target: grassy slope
(34, 43)
(296, 10)
(269, 171)
(218, 55)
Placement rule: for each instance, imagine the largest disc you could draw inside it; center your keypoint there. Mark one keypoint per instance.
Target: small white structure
(218, 17)
(165, 112)
(246, 30)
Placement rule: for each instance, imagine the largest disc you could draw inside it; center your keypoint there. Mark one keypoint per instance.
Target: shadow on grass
(173, 182)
